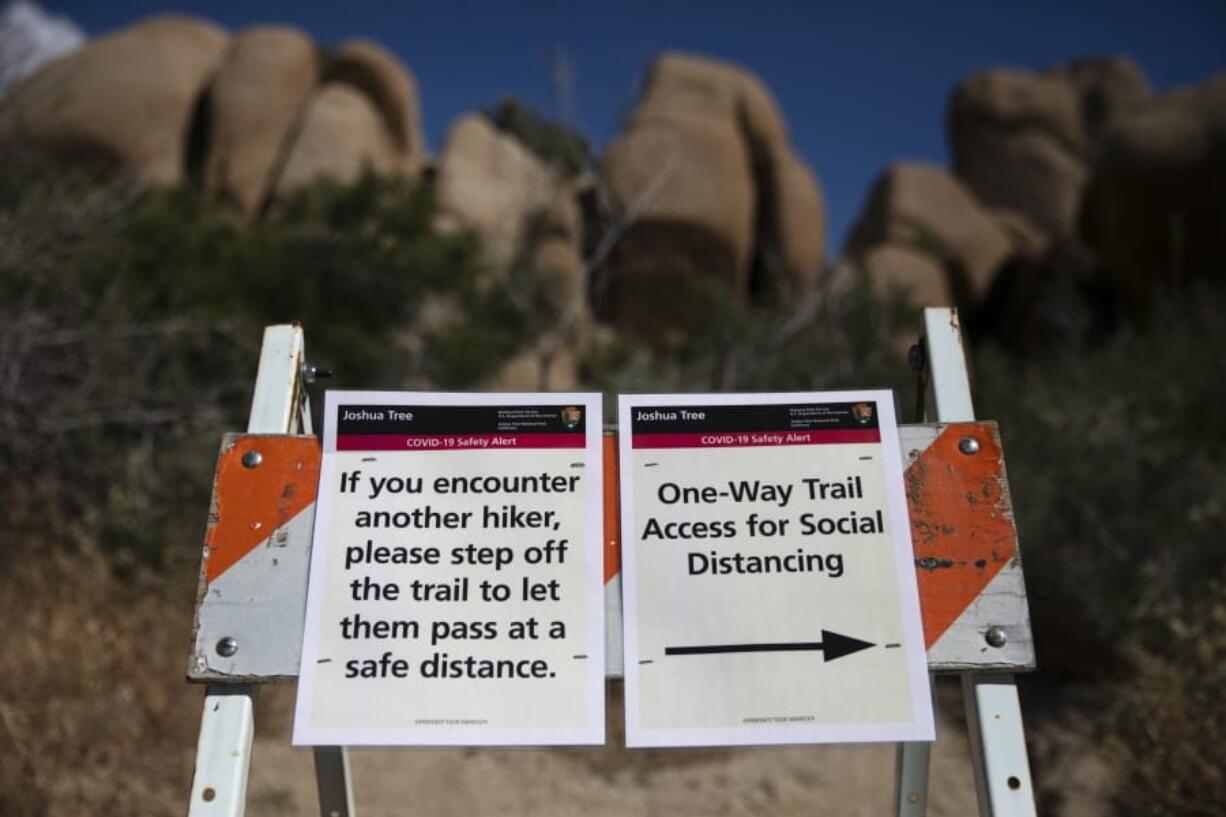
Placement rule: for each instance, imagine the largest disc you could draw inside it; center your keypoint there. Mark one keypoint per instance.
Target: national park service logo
(572, 416)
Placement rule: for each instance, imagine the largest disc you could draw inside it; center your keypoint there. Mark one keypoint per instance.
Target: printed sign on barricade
(455, 593)
(769, 583)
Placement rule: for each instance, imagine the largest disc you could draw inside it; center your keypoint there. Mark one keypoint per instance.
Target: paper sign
(456, 579)
(768, 577)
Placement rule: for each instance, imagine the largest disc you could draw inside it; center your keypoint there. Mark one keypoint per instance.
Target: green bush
(1117, 459)
(837, 338)
(1167, 716)
(1116, 449)
(130, 324)
(552, 142)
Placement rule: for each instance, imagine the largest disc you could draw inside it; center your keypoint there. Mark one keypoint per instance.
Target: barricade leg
(227, 728)
(912, 762)
(993, 712)
(333, 779)
(998, 746)
(911, 797)
(223, 753)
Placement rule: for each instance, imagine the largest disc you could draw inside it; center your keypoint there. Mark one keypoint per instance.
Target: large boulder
(366, 115)
(487, 181)
(1019, 143)
(254, 102)
(388, 83)
(529, 222)
(129, 97)
(1107, 88)
(1022, 141)
(908, 272)
(1155, 212)
(794, 245)
(705, 185)
(688, 199)
(341, 135)
(921, 209)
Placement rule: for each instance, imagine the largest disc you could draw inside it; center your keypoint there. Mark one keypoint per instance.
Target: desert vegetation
(129, 328)
(153, 221)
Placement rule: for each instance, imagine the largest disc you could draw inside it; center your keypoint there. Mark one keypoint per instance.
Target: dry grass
(94, 714)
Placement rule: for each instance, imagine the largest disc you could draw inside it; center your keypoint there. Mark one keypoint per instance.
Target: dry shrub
(1172, 718)
(129, 327)
(95, 717)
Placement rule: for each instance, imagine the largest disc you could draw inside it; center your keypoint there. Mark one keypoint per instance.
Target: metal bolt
(995, 636)
(968, 446)
(252, 459)
(915, 357)
(311, 373)
(226, 647)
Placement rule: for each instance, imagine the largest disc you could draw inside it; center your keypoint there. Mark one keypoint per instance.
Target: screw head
(252, 459)
(310, 373)
(968, 446)
(995, 636)
(226, 647)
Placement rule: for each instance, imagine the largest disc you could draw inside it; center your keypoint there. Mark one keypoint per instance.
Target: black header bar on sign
(777, 417)
(414, 420)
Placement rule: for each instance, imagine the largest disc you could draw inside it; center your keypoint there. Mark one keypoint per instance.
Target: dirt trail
(846, 781)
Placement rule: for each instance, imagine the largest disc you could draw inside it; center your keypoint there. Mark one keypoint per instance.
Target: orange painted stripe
(612, 510)
(961, 523)
(249, 504)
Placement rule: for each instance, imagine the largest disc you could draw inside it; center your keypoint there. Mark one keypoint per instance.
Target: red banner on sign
(740, 439)
(454, 442)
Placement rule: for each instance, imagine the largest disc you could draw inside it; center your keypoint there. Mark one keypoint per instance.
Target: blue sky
(862, 83)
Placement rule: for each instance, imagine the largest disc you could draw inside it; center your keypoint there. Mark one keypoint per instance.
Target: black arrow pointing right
(832, 646)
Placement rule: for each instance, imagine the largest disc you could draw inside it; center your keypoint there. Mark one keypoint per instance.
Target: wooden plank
(994, 714)
(961, 516)
(277, 404)
(252, 589)
(227, 725)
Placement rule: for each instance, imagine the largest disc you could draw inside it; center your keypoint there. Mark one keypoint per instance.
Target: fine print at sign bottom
(456, 582)
(768, 579)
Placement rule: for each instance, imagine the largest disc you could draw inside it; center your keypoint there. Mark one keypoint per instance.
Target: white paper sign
(768, 577)
(456, 587)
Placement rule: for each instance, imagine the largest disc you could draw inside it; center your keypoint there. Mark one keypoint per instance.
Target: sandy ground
(845, 780)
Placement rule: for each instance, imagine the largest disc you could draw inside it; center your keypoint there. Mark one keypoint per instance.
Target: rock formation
(529, 223)
(1155, 211)
(921, 229)
(340, 135)
(1076, 173)
(706, 187)
(172, 97)
(1022, 141)
(128, 98)
(256, 99)
(384, 80)
(525, 214)
(1075, 179)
